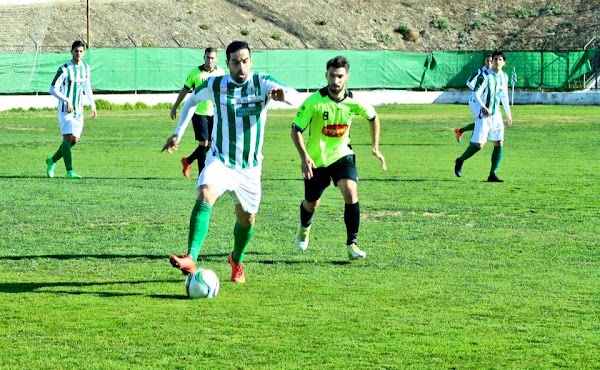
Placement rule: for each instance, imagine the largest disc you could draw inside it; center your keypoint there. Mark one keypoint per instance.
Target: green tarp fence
(165, 69)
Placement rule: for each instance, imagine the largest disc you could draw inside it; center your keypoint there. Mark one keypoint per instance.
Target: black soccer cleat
(458, 167)
(493, 178)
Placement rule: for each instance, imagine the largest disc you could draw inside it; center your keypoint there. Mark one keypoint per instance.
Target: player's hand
(70, 108)
(509, 121)
(380, 156)
(307, 168)
(94, 113)
(173, 113)
(485, 112)
(277, 94)
(171, 145)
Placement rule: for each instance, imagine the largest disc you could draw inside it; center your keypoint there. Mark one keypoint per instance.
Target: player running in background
(202, 120)
(327, 155)
(489, 124)
(234, 161)
(473, 83)
(71, 82)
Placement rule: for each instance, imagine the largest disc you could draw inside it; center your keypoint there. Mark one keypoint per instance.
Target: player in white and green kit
(202, 120)
(489, 124)
(234, 161)
(71, 82)
(473, 83)
(327, 155)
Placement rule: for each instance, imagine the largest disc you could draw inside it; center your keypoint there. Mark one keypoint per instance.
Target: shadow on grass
(29, 287)
(61, 178)
(82, 256)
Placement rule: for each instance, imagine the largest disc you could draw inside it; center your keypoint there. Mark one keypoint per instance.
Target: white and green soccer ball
(203, 283)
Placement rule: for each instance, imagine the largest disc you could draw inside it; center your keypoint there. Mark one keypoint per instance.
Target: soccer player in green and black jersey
(327, 156)
(202, 120)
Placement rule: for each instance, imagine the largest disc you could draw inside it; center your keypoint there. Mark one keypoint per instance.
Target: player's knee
(311, 206)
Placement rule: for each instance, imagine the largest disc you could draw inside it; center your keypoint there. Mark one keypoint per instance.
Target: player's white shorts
(242, 183)
(69, 124)
(488, 128)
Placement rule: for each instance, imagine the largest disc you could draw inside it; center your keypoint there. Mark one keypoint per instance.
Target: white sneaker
(354, 252)
(302, 237)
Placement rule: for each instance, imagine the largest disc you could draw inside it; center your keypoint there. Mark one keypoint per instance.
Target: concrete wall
(377, 97)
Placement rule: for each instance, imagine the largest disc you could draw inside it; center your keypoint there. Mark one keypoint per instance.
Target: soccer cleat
(186, 167)
(459, 135)
(184, 262)
(237, 271)
(73, 175)
(50, 165)
(493, 178)
(458, 167)
(302, 237)
(355, 253)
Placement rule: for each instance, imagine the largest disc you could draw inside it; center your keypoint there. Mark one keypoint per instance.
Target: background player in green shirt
(327, 154)
(202, 121)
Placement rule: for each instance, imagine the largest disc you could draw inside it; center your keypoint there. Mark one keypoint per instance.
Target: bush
(440, 23)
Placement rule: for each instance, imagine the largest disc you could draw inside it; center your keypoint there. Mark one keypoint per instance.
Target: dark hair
(488, 56)
(77, 44)
(498, 53)
(236, 46)
(339, 62)
(210, 50)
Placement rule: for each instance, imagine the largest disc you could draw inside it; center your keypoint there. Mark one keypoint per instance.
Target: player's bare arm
(375, 129)
(307, 164)
(182, 93)
(172, 144)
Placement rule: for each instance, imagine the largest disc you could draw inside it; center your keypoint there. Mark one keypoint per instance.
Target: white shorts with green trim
(242, 183)
(488, 128)
(70, 124)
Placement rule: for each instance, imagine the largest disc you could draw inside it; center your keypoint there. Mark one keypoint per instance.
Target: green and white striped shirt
(492, 91)
(240, 116)
(69, 84)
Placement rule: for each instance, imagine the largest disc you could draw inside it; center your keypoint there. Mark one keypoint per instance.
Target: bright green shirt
(328, 122)
(195, 79)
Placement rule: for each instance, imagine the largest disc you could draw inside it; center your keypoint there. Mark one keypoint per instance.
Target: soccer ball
(204, 283)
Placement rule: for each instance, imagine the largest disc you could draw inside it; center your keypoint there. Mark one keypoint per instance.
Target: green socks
(65, 151)
(242, 236)
(199, 221)
(469, 152)
(496, 158)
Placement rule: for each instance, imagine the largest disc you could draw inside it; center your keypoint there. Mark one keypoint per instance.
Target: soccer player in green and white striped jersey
(327, 156)
(472, 83)
(202, 120)
(489, 124)
(71, 82)
(234, 160)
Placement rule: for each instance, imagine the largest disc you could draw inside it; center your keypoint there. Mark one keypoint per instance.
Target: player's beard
(335, 89)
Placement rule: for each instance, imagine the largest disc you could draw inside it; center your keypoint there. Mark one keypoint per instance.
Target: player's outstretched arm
(171, 145)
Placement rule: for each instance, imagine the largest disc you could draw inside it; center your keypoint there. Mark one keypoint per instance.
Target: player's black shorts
(203, 126)
(343, 168)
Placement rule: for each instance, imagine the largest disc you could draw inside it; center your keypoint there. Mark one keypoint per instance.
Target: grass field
(460, 274)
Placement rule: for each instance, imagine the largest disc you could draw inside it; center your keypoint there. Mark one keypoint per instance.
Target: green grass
(460, 273)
